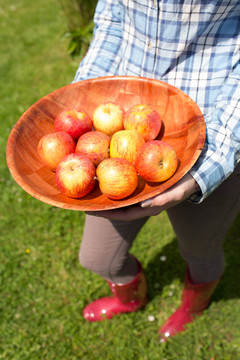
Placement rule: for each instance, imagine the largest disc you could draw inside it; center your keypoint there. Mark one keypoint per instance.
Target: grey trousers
(200, 230)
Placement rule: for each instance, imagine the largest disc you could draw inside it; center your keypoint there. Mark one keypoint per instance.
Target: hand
(154, 206)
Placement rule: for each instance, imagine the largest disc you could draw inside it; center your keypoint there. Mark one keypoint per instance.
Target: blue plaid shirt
(191, 44)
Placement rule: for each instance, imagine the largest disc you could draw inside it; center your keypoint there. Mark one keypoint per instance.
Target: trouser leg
(105, 248)
(201, 229)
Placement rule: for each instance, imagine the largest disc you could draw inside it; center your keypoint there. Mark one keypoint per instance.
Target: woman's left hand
(154, 206)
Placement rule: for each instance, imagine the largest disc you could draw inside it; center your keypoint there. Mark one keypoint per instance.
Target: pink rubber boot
(195, 298)
(126, 298)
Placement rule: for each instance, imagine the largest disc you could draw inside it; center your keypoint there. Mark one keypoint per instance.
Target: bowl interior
(184, 129)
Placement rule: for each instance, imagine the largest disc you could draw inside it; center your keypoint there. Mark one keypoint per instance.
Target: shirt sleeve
(103, 56)
(221, 152)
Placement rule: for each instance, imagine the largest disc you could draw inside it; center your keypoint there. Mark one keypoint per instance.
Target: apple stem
(160, 164)
(146, 106)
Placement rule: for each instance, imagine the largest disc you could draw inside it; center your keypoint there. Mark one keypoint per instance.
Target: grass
(43, 287)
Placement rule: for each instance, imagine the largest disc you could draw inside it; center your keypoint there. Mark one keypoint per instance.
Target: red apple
(74, 122)
(53, 147)
(126, 144)
(108, 118)
(144, 119)
(117, 178)
(95, 145)
(75, 175)
(156, 161)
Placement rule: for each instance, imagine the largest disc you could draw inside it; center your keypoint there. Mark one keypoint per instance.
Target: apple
(156, 161)
(75, 175)
(117, 178)
(95, 145)
(74, 122)
(144, 119)
(53, 147)
(125, 144)
(108, 118)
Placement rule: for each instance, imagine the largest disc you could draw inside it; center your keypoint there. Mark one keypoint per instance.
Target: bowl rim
(155, 191)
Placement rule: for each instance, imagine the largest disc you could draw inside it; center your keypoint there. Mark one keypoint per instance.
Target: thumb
(146, 203)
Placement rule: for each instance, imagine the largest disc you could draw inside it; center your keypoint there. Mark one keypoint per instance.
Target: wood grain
(184, 129)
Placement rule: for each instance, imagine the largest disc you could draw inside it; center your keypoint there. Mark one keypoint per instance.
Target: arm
(222, 150)
(216, 163)
(103, 56)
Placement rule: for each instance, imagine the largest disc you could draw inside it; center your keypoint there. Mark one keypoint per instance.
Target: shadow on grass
(162, 273)
(229, 286)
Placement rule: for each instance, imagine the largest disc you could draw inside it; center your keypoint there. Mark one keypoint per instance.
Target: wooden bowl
(184, 129)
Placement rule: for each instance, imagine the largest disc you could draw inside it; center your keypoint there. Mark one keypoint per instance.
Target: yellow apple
(108, 118)
(126, 144)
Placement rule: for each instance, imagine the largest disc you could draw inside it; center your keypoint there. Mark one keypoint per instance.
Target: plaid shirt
(191, 44)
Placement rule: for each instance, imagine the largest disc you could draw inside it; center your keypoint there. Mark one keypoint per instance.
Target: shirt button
(150, 45)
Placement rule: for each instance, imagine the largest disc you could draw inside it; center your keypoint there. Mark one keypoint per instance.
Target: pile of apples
(113, 147)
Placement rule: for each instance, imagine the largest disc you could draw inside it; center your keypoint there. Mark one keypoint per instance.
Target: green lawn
(43, 286)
